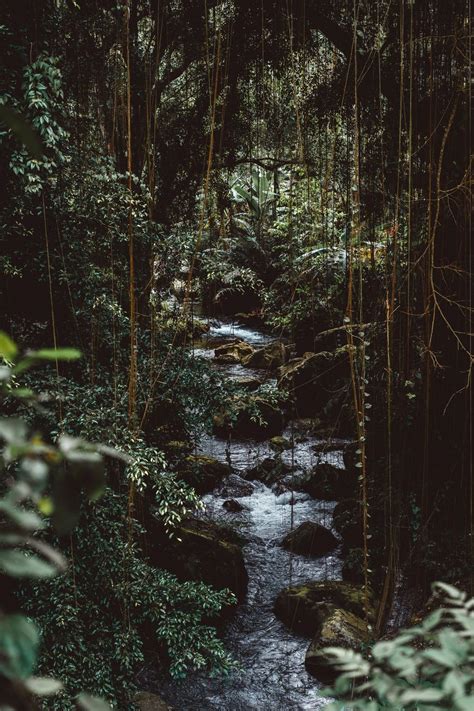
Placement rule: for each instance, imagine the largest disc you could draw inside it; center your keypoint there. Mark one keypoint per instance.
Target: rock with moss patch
(337, 628)
(270, 357)
(203, 473)
(233, 352)
(248, 383)
(280, 444)
(314, 378)
(302, 607)
(310, 539)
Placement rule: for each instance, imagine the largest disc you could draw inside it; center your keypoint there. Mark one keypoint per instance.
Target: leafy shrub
(429, 666)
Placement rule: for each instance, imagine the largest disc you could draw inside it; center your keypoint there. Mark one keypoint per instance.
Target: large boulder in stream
(270, 357)
(233, 352)
(199, 550)
(268, 471)
(338, 628)
(310, 539)
(235, 486)
(314, 378)
(203, 473)
(329, 483)
(303, 607)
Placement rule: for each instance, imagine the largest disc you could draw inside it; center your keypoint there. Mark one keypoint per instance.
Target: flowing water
(271, 658)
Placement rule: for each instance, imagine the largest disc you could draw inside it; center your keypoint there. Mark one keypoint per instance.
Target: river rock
(329, 483)
(203, 473)
(270, 357)
(313, 378)
(280, 444)
(233, 352)
(248, 383)
(146, 701)
(268, 471)
(337, 628)
(233, 506)
(310, 539)
(303, 607)
(235, 486)
(200, 550)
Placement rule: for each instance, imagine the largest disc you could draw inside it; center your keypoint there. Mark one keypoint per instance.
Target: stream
(271, 658)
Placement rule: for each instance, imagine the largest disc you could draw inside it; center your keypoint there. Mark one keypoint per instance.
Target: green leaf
(415, 695)
(92, 703)
(19, 641)
(8, 349)
(19, 565)
(43, 686)
(56, 354)
(12, 430)
(23, 131)
(28, 520)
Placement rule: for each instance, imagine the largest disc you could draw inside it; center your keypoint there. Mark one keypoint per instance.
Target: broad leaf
(19, 641)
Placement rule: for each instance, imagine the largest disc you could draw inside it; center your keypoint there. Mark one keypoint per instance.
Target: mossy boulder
(270, 357)
(310, 539)
(233, 352)
(202, 551)
(177, 448)
(303, 607)
(338, 628)
(280, 444)
(330, 483)
(314, 378)
(203, 473)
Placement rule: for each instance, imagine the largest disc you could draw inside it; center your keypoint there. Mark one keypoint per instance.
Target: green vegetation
(302, 168)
